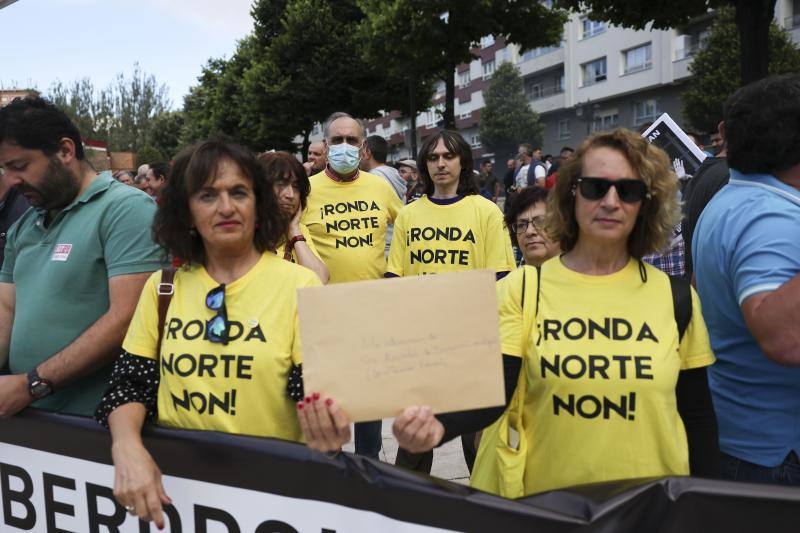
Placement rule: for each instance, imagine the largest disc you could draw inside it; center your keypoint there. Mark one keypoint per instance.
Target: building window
(464, 79)
(475, 141)
(431, 118)
(793, 21)
(594, 71)
(687, 45)
(645, 111)
(590, 28)
(605, 121)
(487, 41)
(639, 58)
(488, 69)
(535, 91)
(563, 129)
(558, 83)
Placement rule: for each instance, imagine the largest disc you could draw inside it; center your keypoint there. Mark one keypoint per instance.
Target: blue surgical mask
(343, 157)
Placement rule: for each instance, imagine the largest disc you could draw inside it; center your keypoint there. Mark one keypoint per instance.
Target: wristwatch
(38, 387)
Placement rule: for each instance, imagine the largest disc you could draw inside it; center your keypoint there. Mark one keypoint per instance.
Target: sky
(42, 41)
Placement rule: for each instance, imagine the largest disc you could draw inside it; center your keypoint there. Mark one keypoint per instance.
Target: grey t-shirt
(398, 184)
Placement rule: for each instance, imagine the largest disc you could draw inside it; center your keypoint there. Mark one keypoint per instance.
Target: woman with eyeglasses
(600, 382)
(229, 356)
(525, 219)
(291, 186)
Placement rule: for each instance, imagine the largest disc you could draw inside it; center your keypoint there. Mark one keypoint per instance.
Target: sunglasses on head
(629, 190)
(217, 327)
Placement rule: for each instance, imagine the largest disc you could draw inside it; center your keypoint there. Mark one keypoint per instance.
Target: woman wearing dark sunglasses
(602, 384)
(229, 356)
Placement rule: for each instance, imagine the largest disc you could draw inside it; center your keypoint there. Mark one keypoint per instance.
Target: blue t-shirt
(747, 241)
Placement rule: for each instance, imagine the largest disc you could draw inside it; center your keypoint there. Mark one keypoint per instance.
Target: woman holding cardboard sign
(605, 375)
(214, 345)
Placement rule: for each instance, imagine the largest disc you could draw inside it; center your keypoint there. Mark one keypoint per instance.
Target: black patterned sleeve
(134, 379)
(294, 386)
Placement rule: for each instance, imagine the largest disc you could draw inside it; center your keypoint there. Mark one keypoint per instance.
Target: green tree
(716, 72)
(90, 110)
(309, 62)
(137, 100)
(507, 120)
(166, 133)
(148, 154)
(753, 19)
(121, 114)
(438, 35)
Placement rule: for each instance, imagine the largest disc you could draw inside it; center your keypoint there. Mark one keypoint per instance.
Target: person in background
(291, 187)
(317, 158)
(156, 178)
(415, 187)
(124, 177)
(490, 185)
(746, 251)
(219, 214)
(525, 220)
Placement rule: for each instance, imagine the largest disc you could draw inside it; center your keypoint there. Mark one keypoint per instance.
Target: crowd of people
(176, 303)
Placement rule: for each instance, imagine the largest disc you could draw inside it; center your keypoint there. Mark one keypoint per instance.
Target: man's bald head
(340, 125)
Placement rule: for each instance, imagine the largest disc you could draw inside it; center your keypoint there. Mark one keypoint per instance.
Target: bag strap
(165, 291)
(681, 304)
(518, 400)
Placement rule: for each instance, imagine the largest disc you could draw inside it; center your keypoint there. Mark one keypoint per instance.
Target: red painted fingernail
(300, 405)
(308, 399)
(329, 402)
(316, 396)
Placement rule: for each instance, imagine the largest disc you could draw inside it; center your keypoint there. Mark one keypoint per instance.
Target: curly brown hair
(192, 169)
(659, 213)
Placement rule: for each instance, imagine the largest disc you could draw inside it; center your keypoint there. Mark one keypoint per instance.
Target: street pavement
(448, 460)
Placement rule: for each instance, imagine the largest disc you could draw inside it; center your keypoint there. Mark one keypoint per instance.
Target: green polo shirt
(60, 273)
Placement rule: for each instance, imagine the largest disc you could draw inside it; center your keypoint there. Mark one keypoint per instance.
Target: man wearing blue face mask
(347, 213)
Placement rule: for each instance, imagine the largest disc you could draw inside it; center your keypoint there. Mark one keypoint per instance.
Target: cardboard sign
(380, 346)
(668, 136)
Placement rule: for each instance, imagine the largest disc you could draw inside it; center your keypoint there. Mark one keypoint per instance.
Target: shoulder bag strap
(681, 304)
(165, 291)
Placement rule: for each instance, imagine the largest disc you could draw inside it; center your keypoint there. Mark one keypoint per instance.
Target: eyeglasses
(217, 327)
(629, 190)
(521, 225)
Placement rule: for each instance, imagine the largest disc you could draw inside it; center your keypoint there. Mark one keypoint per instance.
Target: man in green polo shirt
(74, 266)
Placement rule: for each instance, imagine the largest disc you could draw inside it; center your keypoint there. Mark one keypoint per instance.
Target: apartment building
(598, 77)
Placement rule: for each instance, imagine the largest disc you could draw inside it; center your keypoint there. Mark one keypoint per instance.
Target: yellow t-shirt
(348, 223)
(602, 365)
(309, 241)
(468, 234)
(239, 387)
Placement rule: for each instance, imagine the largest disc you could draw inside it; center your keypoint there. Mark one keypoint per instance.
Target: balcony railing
(544, 93)
(683, 53)
(792, 22)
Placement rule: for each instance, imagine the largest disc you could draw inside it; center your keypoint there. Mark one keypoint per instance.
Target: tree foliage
(752, 17)
(302, 62)
(716, 69)
(507, 120)
(431, 37)
(121, 114)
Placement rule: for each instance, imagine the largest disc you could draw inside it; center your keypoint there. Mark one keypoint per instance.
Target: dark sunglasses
(521, 225)
(217, 327)
(629, 190)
